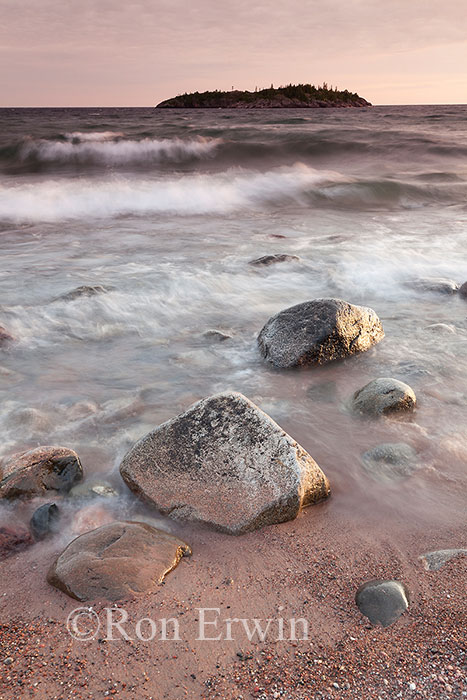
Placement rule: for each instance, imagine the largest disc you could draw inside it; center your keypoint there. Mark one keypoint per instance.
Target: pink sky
(138, 52)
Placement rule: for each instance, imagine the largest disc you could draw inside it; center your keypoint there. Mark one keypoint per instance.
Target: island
(294, 96)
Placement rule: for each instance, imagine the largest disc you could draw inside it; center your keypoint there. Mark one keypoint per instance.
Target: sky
(139, 52)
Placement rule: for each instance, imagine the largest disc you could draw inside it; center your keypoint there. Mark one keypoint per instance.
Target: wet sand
(309, 568)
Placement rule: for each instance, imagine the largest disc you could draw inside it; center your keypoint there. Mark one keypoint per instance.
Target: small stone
(8, 661)
(435, 560)
(390, 461)
(97, 488)
(216, 336)
(44, 521)
(444, 328)
(317, 332)
(412, 686)
(384, 396)
(118, 560)
(382, 602)
(273, 259)
(38, 471)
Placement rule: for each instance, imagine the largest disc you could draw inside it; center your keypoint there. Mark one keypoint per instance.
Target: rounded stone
(463, 290)
(382, 602)
(44, 521)
(317, 332)
(384, 396)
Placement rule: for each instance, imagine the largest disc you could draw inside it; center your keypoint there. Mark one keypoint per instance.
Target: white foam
(54, 200)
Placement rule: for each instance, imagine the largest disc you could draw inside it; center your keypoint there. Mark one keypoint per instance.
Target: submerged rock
(384, 396)
(441, 285)
(225, 463)
(318, 331)
(38, 471)
(445, 328)
(382, 602)
(390, 461)
(116, 561)
(463, 290)
(216, 336)
(84, 291)
(273, 259)
(44, 521)
(13, 539)
(435, 560)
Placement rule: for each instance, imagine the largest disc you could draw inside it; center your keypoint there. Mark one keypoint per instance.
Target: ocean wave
(222, 193)
(106, 148)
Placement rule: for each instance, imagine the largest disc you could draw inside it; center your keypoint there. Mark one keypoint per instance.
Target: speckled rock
(115, 561)
(318, 331)
(382, 602)
(225, 463)
(38, 471)
(267, 260)
(435, 560)
(384, 396)
(390, 461)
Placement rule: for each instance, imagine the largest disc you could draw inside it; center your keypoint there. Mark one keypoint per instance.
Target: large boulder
(225, 463)
(116, 561)
(39, 471)
(318, 331)
(384, 396)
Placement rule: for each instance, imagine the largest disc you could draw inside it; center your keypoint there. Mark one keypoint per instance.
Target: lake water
(165, 209)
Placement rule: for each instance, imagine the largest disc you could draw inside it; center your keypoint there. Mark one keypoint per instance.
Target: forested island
(305, 95)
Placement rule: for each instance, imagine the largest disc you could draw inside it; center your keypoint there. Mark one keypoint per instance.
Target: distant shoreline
(291, 96)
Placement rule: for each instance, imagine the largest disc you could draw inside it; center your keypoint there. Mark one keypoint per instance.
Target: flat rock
(390, 461)
(115, 561)
(44, 521)
(318, 331)
(13, 539)
(382, 602)
(39, 471)
(384, 396)
(435, 560)
(441, 285)
(273, 259)
(224, 463)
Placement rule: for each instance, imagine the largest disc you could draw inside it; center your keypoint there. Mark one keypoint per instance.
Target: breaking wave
(222, 193)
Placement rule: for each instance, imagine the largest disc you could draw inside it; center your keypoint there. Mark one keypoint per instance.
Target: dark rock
(463, 290)
(38, 471)
(435, 560)
(440, 285)
(13, 539)
(390, 461)
(318, 331)
(382, 602)
(5, 336)
(273, 259)
(44, 521)
(225, 463)
(115, 561)
(384, 396)
(84, 291)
